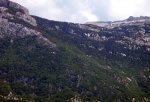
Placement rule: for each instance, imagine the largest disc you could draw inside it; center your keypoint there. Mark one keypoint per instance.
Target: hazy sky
(81, 11)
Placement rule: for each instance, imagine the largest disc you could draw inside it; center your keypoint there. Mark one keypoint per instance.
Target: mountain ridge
(129, 21)
(52, 61)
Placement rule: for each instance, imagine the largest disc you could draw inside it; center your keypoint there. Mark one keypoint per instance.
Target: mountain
(131, 18)
(50, 61)
(130, 21)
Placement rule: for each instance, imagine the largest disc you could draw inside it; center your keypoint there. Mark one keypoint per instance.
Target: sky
(81, 11)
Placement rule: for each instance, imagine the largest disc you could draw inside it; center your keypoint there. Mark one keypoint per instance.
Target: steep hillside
(124, 48)
(50, 61)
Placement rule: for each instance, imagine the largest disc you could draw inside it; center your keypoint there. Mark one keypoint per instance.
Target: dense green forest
(39, 72)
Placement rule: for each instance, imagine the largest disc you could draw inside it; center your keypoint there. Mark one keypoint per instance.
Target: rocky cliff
(15, 21)
(13, 10)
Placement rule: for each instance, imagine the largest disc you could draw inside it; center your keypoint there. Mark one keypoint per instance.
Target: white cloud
(86, 10)
(89, 16)
(122, 9)
(63, 10)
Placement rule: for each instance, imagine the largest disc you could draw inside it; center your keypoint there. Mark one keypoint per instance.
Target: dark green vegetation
(76, 67)
(135, 64)
(12, 10)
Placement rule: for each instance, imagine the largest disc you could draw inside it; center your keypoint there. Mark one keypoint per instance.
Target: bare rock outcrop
(12, 19)
(11, 10)
(13, 29)
(8, 3)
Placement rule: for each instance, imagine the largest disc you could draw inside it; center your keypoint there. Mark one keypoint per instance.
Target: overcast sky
(81, 11)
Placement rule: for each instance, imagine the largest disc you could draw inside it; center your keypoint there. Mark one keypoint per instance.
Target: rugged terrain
(43, 60)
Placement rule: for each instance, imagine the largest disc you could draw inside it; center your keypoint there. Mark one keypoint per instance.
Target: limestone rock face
(26, 18)
(14, 5)
(13, 29)
(15, 22)
(3, 9)
(13, 10)
(10, 11)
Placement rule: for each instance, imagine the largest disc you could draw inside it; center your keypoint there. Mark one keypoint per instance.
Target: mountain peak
(11, 10)
(8, 3)
(130, 21)
(131, 18)
(15, 22)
